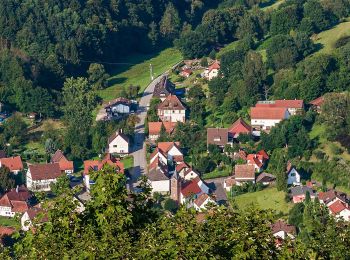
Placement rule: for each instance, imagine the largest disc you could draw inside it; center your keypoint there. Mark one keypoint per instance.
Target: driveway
(217, 185)
(139, 148)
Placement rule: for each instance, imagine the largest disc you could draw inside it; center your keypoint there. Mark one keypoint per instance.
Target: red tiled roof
(96, 165)
(178, 158)
(282, 226)
(327, 196)
(154, 128)
(20, 194)
(172, 102)
(338, 207)
(317, 102)
(13, 163)
(6, 231)
(256, 159)
(187, 71)
(63, 162)
(191, 187)
(230, 181)
(242, 154)
(244, 171)
(181, 166)
(19, 206)
(239, 127)
(166, 146)
(214, 66)
(267, 113)
(292, 103)
(45, 171)
(263, 154)
(201, 199)
(5, 201)
(217, 136)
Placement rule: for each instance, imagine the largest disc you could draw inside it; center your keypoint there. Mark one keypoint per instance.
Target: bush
(170, 205)
(336, 149)
(319, 154)
(342, 41)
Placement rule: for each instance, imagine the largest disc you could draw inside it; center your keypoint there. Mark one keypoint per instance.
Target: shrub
(336, 149)
(342, 41)
(319, 154)
(170, 205)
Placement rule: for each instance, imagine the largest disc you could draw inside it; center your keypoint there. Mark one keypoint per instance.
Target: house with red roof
(239, 127)
(212, 71)
(154, 129)
(40, 176)
(317, 103)
(244, 173)
(294, 106)
(257, 161)
(5, 234)
(202, 202)
(331, 196)
(96, 165)
(172, 110)
(32, 213)
(340, 210)
(263, 118)
(14, 201)
(172, 151)
(65, 165)
(14, 164)
(282, 230)
(158, 176)
(192, 189)
(186, 72)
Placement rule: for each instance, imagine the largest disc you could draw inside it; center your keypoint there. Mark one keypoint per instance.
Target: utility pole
(151, 71)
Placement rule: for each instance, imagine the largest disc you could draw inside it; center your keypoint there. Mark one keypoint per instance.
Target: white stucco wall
(119, 146)
(160, 186)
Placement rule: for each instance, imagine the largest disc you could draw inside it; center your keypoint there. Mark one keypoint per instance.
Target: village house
(266, 178)
(14, 201)
(40, 176)
(172, 151)
(185, 72)
(244, 173)
(31, 214)
(239, 127)
(331, 196)
(294, 106)
(258, 160)
(299, 193)
(317, 103)
(264, 118)
(158, 177)
(202, 201)
(118, 143)
(340, 210)
(217, 136)
(172, 110)
(65, 165)
(154, 129)
(212, 71)
(96, 165)
(14, 164)
(118, 107)
(282, 230)
(163, 89)
(192, 189)
(293, 176)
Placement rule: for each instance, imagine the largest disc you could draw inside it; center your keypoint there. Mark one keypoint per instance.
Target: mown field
(137, 71)
(268, 198)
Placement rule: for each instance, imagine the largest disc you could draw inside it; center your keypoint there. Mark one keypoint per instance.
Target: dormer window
(217, 139)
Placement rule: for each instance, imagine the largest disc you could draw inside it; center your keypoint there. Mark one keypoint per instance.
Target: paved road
(217, 185)
(139, 149)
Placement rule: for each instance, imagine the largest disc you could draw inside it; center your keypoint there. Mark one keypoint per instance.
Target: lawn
(268, 198)
(217, 173)
(328, 38)
(137, 71)
(9, 222)
(128, 162)
(229, 47)
(271, 5)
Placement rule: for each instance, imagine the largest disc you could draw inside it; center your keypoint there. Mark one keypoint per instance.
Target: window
(292, 174)
(173, 111)
(217, 139)
(115, 146)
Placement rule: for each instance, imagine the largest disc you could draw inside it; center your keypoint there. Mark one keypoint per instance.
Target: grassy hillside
(137, 71)
(269, 198)
(328, 38)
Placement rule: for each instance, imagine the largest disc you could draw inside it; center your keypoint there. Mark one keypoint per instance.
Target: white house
(158, 155)
(192, 189)
(293, 106)
(118, 106)
(244, 173)
(282, 230)
(293, 176)
(118, 143)
(28, 217)
(40, 176)
(158, 178)
(172, 110)
(171, 150)
(264, 118)
(14, 202)
(340, 210)
(212, 71)
(202, 201)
